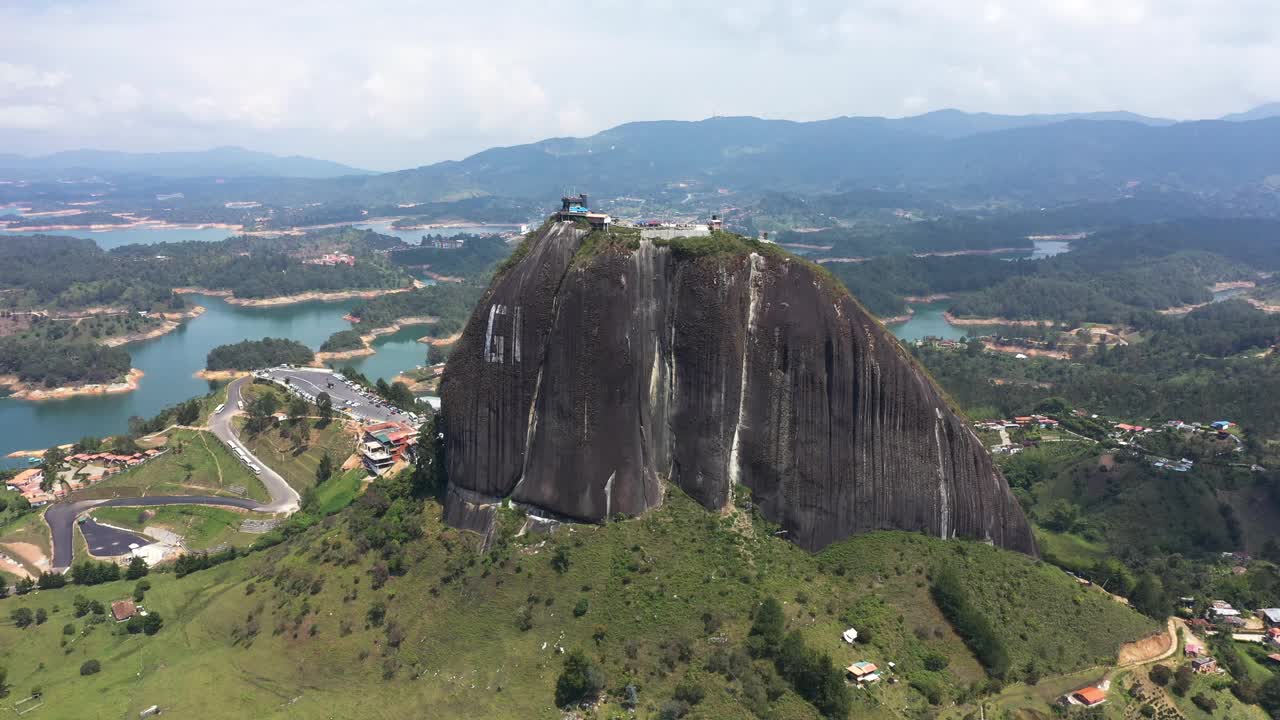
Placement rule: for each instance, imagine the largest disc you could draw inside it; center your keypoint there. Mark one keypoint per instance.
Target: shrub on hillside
(90, 667)
(581, 680)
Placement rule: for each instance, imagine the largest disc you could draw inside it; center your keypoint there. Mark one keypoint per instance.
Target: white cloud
(398, 83)
(28, 117)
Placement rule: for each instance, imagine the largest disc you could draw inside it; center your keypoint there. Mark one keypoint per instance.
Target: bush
(90, 667)
(935, 662)
(673, 710)
(137, 569)
(581, 680)
(1206, 704)
(690, 690)
(580, 608)
(1182, 680)
(22, 617)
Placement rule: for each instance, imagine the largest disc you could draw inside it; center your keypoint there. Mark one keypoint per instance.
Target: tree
(581, 680)
(301, 434)
(52, 464)
(42, 616)
(51, 580)
(297, 410)
(90, 667)
(1269, 696)
(324, 470)
(24, 586)
(22, 617)
(188, 412)
(1062, 515)
(152, 623)
(1149, 597)
(4, 685)
(1182, 680)
(137, 568)
(324, 404)
(1161, 675)
(767, 629)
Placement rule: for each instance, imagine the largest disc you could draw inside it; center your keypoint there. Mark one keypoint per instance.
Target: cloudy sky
(387, 85)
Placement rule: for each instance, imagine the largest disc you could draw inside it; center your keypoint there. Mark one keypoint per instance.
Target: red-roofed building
(1089, 696)
(385, 444)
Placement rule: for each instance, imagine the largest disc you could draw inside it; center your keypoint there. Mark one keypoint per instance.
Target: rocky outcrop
(586, 377)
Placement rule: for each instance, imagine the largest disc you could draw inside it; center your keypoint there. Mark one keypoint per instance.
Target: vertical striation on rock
(589, 373)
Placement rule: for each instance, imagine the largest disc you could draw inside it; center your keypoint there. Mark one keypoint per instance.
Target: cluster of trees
(970, 623)
(188, 563)
(90, 329)
(59, 272)
(811, 674)
(451, 303)
(54, 363)
(343, 340)
(475, 260)
(255, 354)
(1167, 376)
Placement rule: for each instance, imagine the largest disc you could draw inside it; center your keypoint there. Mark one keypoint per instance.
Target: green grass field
(286, 631)
(196, 463)
(340, 491)
(1069, 551)
(201, 527)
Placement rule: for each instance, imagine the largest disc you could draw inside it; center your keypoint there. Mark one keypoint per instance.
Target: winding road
(61, 517)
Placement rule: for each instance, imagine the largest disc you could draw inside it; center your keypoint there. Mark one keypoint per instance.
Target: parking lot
(348, 398)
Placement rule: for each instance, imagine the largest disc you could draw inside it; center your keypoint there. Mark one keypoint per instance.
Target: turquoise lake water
(170, 361)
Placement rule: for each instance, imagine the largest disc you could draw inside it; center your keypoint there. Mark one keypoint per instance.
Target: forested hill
(1106, 277)
(59, 273)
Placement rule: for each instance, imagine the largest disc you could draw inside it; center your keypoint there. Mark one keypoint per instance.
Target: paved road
(284, 499)
(104, 540)
(313, 381)
(62, 516)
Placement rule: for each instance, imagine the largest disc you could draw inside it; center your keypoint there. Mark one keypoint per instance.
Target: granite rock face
(584, 379)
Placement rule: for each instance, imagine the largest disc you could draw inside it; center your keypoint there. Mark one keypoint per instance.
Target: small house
(1270, 616)
(849, 635)
(1192, 651)
(1274, 658)
(1204, 665)
(1089, 696)
(122, 610)
(863, 672)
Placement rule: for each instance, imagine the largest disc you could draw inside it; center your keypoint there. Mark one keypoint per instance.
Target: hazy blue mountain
(957, 123)
(217, 162)
(1262, 112)
(1040, 161)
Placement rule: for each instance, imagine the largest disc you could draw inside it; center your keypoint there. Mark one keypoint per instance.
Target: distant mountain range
(947, 156)
(972, 157)
(218, 162)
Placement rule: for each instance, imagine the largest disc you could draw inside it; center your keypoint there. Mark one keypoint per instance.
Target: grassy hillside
(308, 629)
(196, 463)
